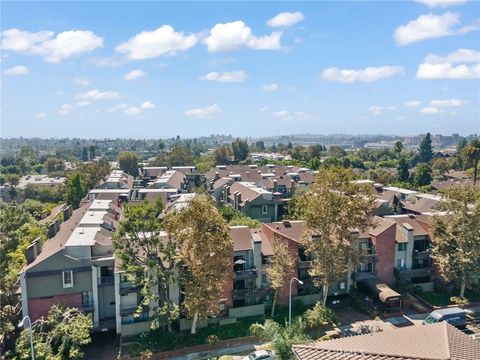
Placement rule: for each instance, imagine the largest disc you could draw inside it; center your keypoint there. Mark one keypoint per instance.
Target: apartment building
(75, 267)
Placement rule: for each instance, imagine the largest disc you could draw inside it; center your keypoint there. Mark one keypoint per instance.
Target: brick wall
(385, 248)
(39, 307)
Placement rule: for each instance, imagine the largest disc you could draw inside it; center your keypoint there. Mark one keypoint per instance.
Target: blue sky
(151, 69)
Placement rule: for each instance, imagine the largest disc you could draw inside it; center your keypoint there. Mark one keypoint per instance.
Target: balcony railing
(245, 274)
(106, 280)
(404, 273)
(421, 255)
(242, 293)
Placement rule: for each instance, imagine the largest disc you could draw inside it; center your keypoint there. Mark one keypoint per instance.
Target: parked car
(454, 316)
(260, 355)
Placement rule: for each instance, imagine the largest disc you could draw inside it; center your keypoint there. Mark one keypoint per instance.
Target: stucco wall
(51, 285)
(246, 311)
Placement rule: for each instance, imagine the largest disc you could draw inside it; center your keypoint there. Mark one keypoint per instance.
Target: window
(67, 278)
(87, 299)
(342, 285)
(400, 263)
(402, 246)
(264, 209)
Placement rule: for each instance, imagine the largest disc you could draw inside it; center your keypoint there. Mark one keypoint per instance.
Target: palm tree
(472, 153)
(281, 337)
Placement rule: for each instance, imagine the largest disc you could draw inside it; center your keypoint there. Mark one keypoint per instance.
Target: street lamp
(22, 324)
(290, 299)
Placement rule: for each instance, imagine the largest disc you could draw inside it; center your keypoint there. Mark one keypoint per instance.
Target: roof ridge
(446, 338)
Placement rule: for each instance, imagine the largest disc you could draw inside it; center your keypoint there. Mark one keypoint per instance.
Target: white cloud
(40, 115)
(134, 74)
(233, 76)
(431, 26)
(16, 70)
(368, 74)
(132, 110)
(392, 107)
(236, 35)
(376, 110)
(82, 103)
(162, 41)
(204, 112)
(286, 19)
(94, 95)
(453, 66)
(285, 115)
(270, 87)
(431, 110)
(412, 103)
(447, 103)
(107, 61)
(441, 3)
(52, 49)
(82, 81)
(65, 109)
(263, 109)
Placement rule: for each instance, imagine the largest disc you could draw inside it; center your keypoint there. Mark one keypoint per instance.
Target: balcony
(369, 258)
(421, 255)
(127, 287)
(126, 310)
(242, 293)
(404, 274)
(245, 274)
(106, 280)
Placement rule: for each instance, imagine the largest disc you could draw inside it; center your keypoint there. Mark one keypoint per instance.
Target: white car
(260, 355)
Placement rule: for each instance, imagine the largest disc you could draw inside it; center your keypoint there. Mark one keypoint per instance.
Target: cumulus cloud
(447, 103)
(263, 109)
(286, 19)
(65, 109)
(133, 110)
(82, 81)
(441, 3)
(233, 76)
(134, 74)
(412, 103)
(204, 112)
(368, 74)
(16, 70)
(236, 35)
(455, 65)
(375, 110)
(431, 26)
(285, 115)
(431, 110)
(40, 115)
(162, 41)
(270, 87)
(94, 95)
(52, 48)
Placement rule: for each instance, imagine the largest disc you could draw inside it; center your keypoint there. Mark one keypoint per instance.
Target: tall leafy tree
(204, 253)
(472, 153)
(240, 150)
(60, 336)
(75, 189)
(334, 213)
(128, 162)
(402, 170)
(423, 175)
(398, 147)
(425, 149)
(456, 245)
(222, 155)
(142, 248)
(279, 269)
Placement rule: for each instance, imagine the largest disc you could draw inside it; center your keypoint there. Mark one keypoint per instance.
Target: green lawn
(436, 298)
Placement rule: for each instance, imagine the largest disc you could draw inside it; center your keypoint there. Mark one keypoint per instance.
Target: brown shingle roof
(177, 179)
(293, 230)
(242, 238)
(434, 342)
(421, 205)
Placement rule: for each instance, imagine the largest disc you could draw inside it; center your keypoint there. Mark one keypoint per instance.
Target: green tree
(240, 150)
(91, 151)
(58, 337)
(398, 147)
(54, 165)
(472, 153)
(128, 162)
(402, 170)
(320, 316)
(334, 215)
(239, 219)
(85, 154)
(279, 269)
(423, 175)
(204, 252)
(281, 338)
(440, 167)
(456, 248)
(75, 190)
(222, 155)
(140, 245)
(336, 151)
(425, 149)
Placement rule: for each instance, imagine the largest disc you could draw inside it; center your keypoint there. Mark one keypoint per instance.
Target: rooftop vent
(287, 224)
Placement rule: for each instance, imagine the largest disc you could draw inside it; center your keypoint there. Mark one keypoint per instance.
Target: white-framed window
(67, 278)
(342, 285)
(402, 246)
(264, 209)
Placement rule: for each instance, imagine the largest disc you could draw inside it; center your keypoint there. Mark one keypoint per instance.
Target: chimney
(217, 175)
(32, 251)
